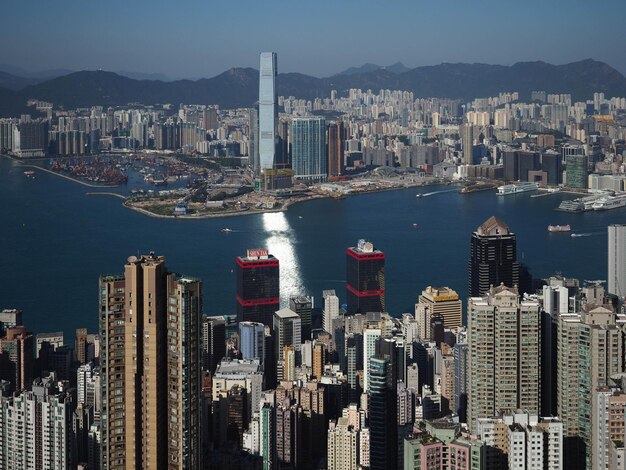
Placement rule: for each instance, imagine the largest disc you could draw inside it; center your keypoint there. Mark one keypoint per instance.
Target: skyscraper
(382, 413)
(617, 260)
(257, 287)
(16, 356)
(287, 329)
(308, 148)
(493, 258)
(336, 143)
(303, 306)
(365, 278)
(213, 342)
(268, 115)
(504, 344)
(252, 341)
(151, 367)
(445, 302)
(331, 310)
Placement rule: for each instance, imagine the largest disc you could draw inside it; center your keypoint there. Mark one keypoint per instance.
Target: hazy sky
(192, 38)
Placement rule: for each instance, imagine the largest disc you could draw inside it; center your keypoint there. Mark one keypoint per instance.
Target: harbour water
(56, 240)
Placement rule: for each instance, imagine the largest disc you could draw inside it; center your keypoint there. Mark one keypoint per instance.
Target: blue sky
(194, 38)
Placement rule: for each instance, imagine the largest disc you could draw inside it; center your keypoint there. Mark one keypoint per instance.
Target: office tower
(36, 428)
(308, 149)
(331, 310)
(319, 360)
(9, 318)
(287, 330)
(258, 293)
(268, 112)
(16, 349)
(288, 437)
(445, 302)
(252, 341)
(352, 350)
(617, 260)
(589, 351)
(522, 440)
(303, 306)
(504, 342)
(493, 257)
(88, 387)
(145, 360)
(365, 278)
(213, 342)
(336, 144)
(267, 423)
(552, 164)
(343, 445)
(576, 171)
(382, 413)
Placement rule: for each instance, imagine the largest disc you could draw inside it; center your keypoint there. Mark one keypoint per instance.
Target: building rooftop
(492, 227)
(286, 313)
(237, 367)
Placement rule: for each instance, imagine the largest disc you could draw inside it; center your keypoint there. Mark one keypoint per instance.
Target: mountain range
(238, 87)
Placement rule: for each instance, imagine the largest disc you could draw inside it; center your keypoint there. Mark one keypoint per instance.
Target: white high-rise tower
(617, 260)
(268, 115)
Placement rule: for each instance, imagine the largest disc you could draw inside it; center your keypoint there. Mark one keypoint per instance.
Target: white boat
(227, 230)
(609, 202)
(516, 188)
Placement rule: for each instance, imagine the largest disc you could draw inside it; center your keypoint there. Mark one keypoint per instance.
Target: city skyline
(467, 28)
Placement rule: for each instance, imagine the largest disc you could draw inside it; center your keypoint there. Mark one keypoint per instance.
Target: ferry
(559, 228)
(609, 202)
(29, 174)
(516, 188)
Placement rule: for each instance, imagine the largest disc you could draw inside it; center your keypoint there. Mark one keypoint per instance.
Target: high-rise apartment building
(88, 386)
(308, 149)
(617, 260)
(258, 294)
(343, 445)
(16, 356)
(150, 325)
(287, 331)
(268, 113)
(493, 257)
(589, 351)
(445, 302)
(504, 342)
(365, 278)
(36, 430)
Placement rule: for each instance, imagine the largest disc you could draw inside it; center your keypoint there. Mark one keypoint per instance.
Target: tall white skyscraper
(617, 259)
(268, 115)
(308, 148)
(331, 310)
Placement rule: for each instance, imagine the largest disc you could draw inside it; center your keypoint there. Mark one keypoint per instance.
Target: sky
(202, 38)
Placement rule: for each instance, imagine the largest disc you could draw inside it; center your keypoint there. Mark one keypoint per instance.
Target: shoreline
(23, 164)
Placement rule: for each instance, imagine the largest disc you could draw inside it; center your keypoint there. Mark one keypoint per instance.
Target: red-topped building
(258, 287)
(365, 278)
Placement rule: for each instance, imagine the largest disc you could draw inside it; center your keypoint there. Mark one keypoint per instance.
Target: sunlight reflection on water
(280, 242)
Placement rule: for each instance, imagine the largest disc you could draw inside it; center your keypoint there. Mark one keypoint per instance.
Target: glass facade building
(268, 115)
(308, 148)
(257, 289)
(365, 279)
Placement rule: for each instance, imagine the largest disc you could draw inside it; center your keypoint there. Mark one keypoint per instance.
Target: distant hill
(238, 87)
(398, 67)
(14, 82)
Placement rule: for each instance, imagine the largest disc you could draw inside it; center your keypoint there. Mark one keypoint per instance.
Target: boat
(609, 202)
(419, 195)
(516, 188)
(415, 225)
(559, 228)
(29, 173)
(227, 230)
